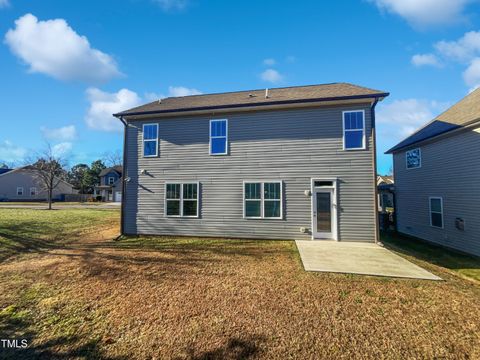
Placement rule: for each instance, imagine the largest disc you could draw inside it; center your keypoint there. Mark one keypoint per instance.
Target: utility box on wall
(460, 224)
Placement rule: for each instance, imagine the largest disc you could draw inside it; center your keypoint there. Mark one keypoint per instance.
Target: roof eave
(377, 96)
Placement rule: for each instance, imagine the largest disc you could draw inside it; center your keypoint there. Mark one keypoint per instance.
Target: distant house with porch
(110, 188)
(385, 190)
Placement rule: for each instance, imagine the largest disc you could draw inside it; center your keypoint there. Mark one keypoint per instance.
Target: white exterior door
(118, 196)
(324, 214)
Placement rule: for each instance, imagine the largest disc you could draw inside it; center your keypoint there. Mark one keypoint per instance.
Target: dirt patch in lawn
(226, 299)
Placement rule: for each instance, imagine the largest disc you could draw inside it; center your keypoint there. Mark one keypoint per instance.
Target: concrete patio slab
(357, 258)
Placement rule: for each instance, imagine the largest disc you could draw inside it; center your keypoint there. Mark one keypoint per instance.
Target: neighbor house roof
(256, 98)
(463, 113)
(118, 169)
(384, 179)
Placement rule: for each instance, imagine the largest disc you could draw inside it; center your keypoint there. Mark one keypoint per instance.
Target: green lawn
(414, 249)
(73, 292)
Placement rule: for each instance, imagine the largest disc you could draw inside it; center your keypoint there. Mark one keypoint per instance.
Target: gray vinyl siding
(450, 169)
(23, 178)
(289, 145)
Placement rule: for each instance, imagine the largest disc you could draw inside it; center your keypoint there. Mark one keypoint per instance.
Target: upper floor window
(354, 130)
(111, 180)
(219, 137)
(150, 140)
(33, 191)
(413, 158)
(436, 212)
(263, 200)
(19, 191)
(181, 199)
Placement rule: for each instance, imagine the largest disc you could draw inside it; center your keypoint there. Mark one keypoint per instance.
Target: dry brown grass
(203, 299)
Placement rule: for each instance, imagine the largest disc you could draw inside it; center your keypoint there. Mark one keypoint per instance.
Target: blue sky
(66, 65)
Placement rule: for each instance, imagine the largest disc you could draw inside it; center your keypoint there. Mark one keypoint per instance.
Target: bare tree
(49, 171)
(113, 158)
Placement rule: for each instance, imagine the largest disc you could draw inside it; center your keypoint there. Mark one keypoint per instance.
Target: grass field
(72, 292)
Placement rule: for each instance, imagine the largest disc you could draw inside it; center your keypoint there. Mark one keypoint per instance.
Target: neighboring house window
(111, 180)
(436, 212)
(150, 140)
(354, 130)
(33, 191)
(263, 200)
(19, 191)
(413, 158)
(219, 137)
(181, 199)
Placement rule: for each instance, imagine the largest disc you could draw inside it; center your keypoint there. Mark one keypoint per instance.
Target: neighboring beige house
(437, 178)
(22, 184)
(385, 189)
(110, 188)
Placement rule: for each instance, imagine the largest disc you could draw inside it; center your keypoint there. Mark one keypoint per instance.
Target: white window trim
(181, 183)
(262, 199)
(143, 141)
(20, 188)
(217, 137)
(34, 191)
(406, 161)
(111, 183)
(436, 212)
(344, 130)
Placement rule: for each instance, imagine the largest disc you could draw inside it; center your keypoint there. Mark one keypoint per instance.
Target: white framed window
(263, 199)
(354, 130)
(182, 199)
(413, 158)
(111, 180)
(436, 211)
(218, 137)
(150, 140)
(33, 191)
(19, 191)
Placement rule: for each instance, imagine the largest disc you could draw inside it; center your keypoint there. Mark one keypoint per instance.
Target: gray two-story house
(284, 163)
(437, 178)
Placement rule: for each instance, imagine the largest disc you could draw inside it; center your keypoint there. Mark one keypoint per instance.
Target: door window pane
(324, 212)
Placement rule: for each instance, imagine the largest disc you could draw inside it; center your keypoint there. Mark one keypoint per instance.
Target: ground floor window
(181, 199)
(263, 199)
(19, 191)
(33, 191)
(436, 212)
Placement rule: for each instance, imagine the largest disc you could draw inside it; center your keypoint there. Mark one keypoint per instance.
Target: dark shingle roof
(464, 112)
(117, 168)
(295, 94)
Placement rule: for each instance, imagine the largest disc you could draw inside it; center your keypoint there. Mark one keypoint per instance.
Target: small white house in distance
(437, 179)
(22, 184)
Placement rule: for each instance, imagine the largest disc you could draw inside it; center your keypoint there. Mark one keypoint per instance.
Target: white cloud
(65, 133)
(461, 50)
(272, 76)
(400, 118)
(426, 60)
(471, 76)
(53, 48)
(11, 153)
(173, 91)
(182, 91)
(104, 104)
(290, 59)
(4, 3)
(168, 5)
(269, 62)
(422, 13)
(61, 149)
